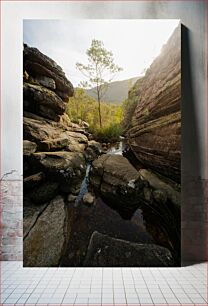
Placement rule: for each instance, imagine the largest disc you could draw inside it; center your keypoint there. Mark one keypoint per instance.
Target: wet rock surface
(105, 251)
(84, 220)
(125, 189)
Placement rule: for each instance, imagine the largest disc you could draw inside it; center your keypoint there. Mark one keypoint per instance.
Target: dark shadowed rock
(95, 146)
(105, 251)
(38, 64)
(46, 82)
(44, 193)
(169, 189)
(42, 101)
(33, 180)
(66, 168)
(118, 182)
(155, 137)
(45, 242)
(29, 147)
(125, 189)
(93, 150)
(35, 55)
(102, 218)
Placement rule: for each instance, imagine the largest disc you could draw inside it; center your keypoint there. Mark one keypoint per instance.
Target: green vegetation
(110, 133)
(83, 107)
(99, 71)
(129, 106)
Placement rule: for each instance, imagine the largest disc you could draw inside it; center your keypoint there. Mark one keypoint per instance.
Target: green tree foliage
(81, 106)
(99, 71)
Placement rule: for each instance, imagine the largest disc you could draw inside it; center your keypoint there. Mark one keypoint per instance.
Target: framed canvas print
(102, 143)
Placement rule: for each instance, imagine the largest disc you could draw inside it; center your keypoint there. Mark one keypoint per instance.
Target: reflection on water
(102, 218)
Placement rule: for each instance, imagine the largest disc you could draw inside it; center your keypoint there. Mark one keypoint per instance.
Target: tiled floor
(103, 286)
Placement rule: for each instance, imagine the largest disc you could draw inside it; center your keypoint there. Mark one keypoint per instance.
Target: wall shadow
(193, 210)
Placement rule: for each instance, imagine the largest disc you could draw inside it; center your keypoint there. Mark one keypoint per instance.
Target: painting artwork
(102, 143)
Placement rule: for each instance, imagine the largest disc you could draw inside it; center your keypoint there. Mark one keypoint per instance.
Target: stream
(102, 218)
(115, 149)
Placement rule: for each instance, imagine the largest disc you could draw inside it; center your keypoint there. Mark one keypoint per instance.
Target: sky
(134, 43)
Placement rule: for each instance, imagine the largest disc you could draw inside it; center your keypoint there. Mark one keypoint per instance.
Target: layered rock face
(155, 136)
(54, 162)
(47, 73)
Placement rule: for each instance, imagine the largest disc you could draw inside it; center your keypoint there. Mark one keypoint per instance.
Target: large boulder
(44, 192)
(65, 168)
(155, 136)
(85, 219)
(118, 182)
(38, 64)
(125, 189)
(105, 251)
(44, 243)
(30, 216)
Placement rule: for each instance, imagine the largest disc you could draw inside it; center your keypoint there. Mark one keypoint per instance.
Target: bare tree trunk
(100, 114)
(99, 108)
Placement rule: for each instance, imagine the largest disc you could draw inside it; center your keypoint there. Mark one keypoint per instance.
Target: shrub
(107, 134)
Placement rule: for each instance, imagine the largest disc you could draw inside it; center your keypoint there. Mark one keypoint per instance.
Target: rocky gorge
(86, 204)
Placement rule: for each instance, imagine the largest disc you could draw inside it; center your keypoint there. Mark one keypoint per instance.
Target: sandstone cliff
(155, 136)
(54, 163)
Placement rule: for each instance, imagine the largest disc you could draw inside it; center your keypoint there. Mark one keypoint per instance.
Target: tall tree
(99, 71)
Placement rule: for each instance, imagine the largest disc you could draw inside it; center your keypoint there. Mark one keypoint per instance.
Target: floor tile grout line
(135, 287)
(122, 277)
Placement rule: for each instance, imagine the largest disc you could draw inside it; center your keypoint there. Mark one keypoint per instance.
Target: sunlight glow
(134, 43)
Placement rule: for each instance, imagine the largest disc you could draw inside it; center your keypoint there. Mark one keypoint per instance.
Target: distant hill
(116, 92)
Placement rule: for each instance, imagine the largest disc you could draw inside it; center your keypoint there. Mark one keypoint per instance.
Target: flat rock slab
(30, 216)
(44, 244)
(50, 135)
(105, 251)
